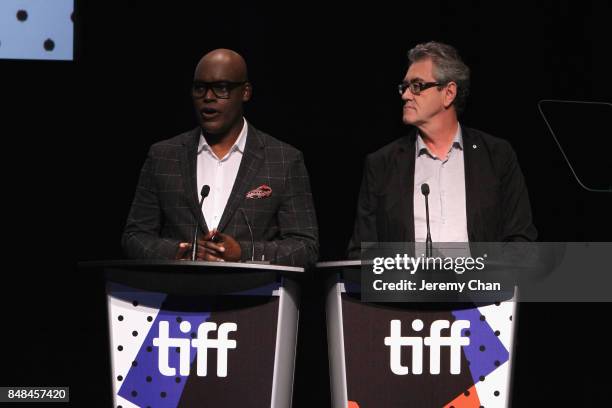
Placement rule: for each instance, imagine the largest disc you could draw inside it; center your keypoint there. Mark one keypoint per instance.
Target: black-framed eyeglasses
(416, 87)
(221, 89)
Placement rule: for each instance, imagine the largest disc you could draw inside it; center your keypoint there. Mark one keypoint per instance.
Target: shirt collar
(238, 145)
(421, 147)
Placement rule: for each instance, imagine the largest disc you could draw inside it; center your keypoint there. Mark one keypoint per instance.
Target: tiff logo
(201, 343)
(434, 341)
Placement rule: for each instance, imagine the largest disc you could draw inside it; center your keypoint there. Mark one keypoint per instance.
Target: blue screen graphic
(36, 29)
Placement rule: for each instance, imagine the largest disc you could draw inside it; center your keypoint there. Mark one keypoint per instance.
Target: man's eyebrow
(416, 79)
(199, 81)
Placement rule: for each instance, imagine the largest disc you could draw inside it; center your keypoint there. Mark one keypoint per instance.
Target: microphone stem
(428, 243)
(194, 244)
(250, 233)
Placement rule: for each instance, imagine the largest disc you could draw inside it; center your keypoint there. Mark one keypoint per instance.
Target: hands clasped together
(214, 246)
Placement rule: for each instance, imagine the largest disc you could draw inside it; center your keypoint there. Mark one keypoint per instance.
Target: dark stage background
(76, 133)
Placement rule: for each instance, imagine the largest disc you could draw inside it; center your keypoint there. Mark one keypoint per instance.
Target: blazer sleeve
(141, 236)
(365, 229)
(298, 241)
(517, 222)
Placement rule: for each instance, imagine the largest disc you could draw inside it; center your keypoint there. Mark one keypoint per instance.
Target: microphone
(194, 244)
(428, 243)
(246, 219)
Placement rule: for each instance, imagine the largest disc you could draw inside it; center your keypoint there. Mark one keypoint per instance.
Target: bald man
(259, 205)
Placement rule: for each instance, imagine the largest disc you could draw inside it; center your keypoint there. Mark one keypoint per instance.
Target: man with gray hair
(476, 189)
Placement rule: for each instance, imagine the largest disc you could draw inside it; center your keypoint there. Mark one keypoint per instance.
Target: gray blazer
(166, 202)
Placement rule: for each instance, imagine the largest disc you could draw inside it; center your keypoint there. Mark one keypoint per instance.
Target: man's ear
(247, 92)
(450, 93)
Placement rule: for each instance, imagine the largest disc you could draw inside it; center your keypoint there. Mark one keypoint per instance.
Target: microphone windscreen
(425, 189)
(205, 190)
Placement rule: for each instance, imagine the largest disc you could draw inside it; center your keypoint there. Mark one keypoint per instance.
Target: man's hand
(223, 246)
(214, 246)
(204, 253)
(184, 251)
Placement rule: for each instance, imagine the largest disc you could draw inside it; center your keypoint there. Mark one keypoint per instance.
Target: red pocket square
(262, 191)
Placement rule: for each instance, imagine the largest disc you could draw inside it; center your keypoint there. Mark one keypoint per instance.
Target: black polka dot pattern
(34, 33)
(22, 15)
(49, 44)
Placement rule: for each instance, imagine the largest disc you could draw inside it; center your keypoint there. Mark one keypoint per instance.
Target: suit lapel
(404, 163)
(252, 159)
(471, 168)
(189, 160)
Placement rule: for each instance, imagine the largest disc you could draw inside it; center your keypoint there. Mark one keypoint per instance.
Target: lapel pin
(474, 146)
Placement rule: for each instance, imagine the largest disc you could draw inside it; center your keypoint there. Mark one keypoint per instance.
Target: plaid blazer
(166, 203)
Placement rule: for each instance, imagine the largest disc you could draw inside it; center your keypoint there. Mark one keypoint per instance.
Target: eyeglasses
(416, 87)
(221, 89)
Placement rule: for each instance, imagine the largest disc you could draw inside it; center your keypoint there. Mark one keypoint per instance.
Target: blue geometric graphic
(144, 385)
(37, 29)
(485, 351)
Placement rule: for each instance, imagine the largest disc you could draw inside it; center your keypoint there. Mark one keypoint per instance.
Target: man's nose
(407, 95)
(209, 95)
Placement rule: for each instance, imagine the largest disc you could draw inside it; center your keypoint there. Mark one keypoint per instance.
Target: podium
(415, 354)
(194, 334)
